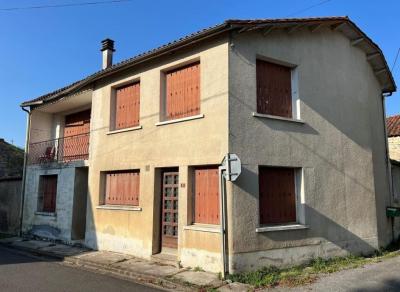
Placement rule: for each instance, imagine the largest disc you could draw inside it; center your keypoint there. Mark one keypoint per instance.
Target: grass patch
(198, 269)
(306, 274)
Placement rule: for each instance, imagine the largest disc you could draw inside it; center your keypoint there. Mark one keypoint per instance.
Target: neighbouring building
(11, 164)
(127, 159)
(393, 133)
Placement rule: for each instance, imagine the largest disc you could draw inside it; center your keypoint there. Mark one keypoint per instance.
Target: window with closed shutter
(182, 92)
(47, 193)
(206, 199)
(122, 188)
(277, 195)
(274, 89)
(127, 106)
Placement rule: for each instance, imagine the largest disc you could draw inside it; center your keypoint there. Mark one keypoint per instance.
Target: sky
(44, 49)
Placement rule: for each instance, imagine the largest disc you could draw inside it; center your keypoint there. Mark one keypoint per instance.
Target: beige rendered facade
(335, 141)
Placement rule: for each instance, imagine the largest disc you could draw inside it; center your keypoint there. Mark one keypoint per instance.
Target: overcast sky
(44, 49)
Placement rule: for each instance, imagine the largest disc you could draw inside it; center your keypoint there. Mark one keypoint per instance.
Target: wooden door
(169, 216)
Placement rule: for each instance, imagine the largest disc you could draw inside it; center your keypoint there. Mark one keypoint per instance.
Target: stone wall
(10, 200)
(394, 148)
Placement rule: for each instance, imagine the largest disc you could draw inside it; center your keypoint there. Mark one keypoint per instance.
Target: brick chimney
(107, 48)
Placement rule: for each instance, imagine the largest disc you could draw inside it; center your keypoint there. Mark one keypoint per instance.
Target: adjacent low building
(129, 158)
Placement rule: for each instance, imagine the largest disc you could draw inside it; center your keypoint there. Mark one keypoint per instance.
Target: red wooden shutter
(274, 90)
(277, 195)
(182, 98)
(49, 189)
(127, 106)
(122, 188)
(206, 196)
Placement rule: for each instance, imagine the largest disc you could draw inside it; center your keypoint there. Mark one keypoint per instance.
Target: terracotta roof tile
(393, 126)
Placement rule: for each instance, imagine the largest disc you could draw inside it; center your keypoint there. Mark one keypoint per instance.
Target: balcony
(61, 150)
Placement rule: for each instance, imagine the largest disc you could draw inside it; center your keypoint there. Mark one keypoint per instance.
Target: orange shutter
(182, 98)
(277, 195)
(274, 90)
(122, 188)
(127, 106)
(206, 196)
(76, 143)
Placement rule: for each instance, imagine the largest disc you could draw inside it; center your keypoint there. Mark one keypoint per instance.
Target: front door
(169, 216)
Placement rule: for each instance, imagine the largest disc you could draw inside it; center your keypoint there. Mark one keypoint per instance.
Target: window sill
(180, 120)
(119, 207)
(124, 130)
(203, 227)
(281, 228)
(271, 117)
(46, 214)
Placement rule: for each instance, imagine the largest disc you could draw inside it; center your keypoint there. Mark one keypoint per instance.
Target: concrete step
(167, 259)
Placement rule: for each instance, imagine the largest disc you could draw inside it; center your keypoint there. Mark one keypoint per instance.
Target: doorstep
(163, 273)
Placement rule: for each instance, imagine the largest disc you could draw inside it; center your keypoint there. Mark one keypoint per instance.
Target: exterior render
(129, 159)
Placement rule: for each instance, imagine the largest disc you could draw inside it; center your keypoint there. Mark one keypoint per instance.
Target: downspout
(27, 136)
(222, 191)
(388, 164)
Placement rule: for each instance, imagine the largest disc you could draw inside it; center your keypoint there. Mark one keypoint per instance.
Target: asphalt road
(20, 272)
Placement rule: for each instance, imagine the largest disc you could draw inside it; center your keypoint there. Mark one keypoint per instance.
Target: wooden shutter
(274, 90)
(127, 106)
(206, 196)
(122, 188)
(277, 195)
(75, 143)
(182, 98)
(49, 192)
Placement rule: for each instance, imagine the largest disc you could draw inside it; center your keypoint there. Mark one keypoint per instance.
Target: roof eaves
(180, 43)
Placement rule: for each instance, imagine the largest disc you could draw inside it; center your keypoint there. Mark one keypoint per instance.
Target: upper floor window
(182, 92)
(275, 92)
(126, 106)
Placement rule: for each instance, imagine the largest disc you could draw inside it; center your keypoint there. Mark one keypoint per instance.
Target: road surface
(20, 272)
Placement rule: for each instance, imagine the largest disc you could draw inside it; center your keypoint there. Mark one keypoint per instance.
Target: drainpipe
(222, 191)
(388, 164)
(27, 136)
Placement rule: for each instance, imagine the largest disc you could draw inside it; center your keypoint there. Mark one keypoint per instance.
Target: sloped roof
(343, 24)
(393, 126)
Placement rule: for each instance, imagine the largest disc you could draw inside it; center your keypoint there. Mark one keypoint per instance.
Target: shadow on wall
(10, 200)
(321, 227)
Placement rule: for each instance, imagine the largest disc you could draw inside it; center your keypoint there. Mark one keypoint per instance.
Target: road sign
(233, 166)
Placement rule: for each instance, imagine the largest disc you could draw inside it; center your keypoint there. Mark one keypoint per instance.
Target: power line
(308, 8)
(395, 60)
(64, 5)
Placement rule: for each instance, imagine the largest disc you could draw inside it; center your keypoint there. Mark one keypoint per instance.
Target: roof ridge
(227, 25)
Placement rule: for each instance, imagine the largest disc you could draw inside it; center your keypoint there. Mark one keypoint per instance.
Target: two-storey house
(129, 158)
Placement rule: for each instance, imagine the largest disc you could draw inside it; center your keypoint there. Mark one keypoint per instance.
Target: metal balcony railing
(59, 150)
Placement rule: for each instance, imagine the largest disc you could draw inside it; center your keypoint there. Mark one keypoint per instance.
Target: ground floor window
(122, 188)
(47, 193)
(206, 195)
(277, 195)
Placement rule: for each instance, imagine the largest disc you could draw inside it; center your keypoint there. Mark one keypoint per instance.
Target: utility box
(392, 212)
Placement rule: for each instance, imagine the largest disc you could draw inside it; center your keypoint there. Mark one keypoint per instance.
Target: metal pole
(221, 171)
(27, 136)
